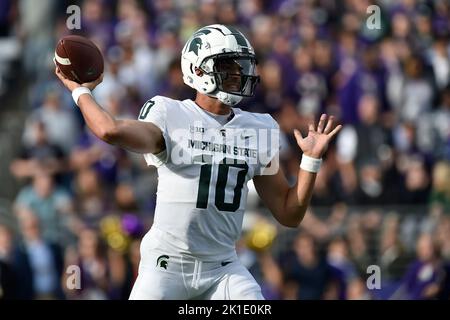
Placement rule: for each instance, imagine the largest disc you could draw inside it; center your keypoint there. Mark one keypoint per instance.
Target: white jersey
(203, 174)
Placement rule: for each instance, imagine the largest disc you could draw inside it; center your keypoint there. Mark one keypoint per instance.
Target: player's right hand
(91, 85)
(69, 84)
(72, 85)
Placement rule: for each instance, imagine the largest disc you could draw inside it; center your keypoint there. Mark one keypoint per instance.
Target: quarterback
(206, 151)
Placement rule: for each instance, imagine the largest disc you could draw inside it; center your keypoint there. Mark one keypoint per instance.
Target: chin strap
(228, 98)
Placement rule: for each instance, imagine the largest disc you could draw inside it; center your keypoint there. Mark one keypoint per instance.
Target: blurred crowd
(382, 196)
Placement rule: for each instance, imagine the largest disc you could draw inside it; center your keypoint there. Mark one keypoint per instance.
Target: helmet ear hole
(198, 72)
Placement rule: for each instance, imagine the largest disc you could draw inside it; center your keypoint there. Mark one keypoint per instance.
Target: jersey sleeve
(269, 163)
(155, 111)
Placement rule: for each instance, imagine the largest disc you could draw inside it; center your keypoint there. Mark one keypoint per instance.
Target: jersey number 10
(221, 184)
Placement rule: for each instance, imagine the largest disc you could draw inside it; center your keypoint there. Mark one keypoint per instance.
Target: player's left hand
(316, 142)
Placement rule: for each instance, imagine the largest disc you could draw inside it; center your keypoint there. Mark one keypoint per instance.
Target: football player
(206, 151)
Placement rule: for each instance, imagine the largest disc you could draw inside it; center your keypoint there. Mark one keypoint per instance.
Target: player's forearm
(133, 135)
(101, 123)
(298, 198)
(138, 136)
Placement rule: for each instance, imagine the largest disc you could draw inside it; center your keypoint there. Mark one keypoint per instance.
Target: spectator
(424, 277)
(37, 262)
(417, 90)
(434, 128)
(357, 290)
(393, 256)
(8, 282)
(56, 120)
(92, 202)
(360, 151)
(120, 276)
(90, 256)
(341, 266)
(305, 271)
(42, 156)
(52, 205)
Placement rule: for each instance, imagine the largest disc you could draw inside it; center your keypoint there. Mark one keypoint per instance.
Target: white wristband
(78, 92)
(310, 164)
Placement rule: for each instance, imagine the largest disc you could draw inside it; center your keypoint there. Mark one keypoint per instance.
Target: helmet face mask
(235, 73)
(226, 60)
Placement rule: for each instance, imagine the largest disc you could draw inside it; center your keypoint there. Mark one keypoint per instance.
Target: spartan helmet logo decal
(162, 261)
(196, 42)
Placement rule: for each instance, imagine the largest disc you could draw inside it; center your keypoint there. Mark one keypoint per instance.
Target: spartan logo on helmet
(240, 39)
(162, 261)
(196, 42)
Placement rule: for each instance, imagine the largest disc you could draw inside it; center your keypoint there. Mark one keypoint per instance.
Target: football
(79, 59)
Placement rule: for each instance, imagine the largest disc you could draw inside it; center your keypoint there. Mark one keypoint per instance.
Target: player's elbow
(110, 133)
(291, 219)
(291, 223)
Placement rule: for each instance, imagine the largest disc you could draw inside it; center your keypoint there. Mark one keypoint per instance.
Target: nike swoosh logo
(224, 263)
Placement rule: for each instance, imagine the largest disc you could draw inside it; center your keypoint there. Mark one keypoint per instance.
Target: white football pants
(175, 277)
